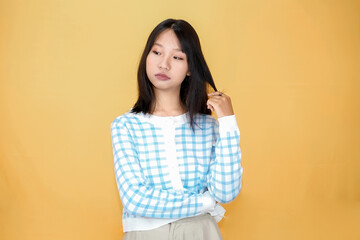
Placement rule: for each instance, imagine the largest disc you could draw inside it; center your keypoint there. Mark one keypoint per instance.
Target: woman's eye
(175, 57)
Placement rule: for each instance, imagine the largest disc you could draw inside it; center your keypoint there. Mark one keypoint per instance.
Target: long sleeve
(138, 196)
(224, 177)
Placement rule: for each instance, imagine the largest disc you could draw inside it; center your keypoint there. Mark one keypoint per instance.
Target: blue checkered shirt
(163, 167)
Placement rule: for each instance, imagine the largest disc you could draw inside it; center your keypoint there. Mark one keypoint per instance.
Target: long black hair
(193, 90)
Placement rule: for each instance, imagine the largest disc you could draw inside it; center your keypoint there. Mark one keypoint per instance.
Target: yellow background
(68, 68)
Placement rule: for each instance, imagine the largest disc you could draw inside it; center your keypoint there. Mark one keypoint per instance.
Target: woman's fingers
(216, 94)
(210, 107)
(220, 103)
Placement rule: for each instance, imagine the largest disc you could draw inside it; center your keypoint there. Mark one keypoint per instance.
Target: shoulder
(205, 121)
(205, 118)
(127, 119)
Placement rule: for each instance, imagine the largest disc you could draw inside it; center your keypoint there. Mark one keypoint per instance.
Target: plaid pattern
(207, 160)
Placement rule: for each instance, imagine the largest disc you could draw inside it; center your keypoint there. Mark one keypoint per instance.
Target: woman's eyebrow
(177, 49)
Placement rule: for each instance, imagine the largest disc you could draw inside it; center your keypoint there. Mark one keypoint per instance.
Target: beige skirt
(203, 227)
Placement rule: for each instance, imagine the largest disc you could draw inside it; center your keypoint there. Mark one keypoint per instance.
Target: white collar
(159, 120)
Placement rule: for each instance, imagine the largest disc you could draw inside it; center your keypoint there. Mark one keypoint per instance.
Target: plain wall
(68, 68)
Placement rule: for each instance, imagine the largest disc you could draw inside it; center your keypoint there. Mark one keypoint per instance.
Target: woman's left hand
(220, 103)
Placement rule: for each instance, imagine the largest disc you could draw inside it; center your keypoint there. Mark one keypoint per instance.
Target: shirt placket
(171, 156)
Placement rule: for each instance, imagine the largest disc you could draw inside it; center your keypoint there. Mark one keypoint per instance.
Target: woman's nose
(164, 64)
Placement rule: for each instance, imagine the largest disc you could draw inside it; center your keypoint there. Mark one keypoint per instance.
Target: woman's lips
(162, 76)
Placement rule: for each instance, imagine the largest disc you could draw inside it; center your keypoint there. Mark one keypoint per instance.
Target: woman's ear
(188, 74)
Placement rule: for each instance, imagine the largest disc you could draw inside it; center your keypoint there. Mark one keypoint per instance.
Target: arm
(139, 197)
(224, 178)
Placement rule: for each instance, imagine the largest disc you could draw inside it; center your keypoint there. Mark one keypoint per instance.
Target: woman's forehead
(168, 39)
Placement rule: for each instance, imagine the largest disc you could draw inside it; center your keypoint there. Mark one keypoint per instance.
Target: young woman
(174, 163)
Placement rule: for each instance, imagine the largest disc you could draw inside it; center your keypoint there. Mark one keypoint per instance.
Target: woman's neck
(168, 105)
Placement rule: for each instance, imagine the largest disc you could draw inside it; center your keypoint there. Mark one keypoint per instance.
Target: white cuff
(227, 124)
(218, 213)
(208, 203)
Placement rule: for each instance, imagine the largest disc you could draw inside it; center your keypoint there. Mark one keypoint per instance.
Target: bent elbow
(132, 207)
(229, 196)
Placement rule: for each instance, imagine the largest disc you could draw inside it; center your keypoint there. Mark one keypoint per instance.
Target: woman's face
(166, 64)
